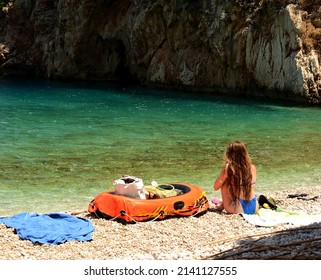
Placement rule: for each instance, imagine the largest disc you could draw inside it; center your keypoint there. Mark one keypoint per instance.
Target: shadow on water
(147, 91)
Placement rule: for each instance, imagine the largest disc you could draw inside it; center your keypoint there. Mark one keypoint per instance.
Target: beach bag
(130, 186)
(160, 191)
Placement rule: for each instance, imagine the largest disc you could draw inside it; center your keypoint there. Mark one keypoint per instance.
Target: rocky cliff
(259, 47)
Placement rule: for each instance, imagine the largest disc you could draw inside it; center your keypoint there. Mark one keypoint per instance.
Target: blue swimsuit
(249, 207)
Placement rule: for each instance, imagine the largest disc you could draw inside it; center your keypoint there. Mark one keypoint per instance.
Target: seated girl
(237, 181)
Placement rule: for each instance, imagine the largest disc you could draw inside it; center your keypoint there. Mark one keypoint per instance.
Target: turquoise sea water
(63, 143)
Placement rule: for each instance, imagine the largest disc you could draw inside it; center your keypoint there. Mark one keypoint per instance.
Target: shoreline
(213, 235)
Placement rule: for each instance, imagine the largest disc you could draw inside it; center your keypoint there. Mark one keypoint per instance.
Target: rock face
(259, 47)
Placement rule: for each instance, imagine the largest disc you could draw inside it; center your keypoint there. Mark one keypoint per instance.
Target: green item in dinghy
(160, 191)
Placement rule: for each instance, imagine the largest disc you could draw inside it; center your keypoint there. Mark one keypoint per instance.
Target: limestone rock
(258, 47)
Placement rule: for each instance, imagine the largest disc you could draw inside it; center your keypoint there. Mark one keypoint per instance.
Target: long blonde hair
(239, 174)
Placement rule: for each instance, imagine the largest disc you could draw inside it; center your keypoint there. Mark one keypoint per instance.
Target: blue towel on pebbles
(53, 228)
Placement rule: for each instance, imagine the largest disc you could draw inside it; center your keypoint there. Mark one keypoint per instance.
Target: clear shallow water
(63, 143)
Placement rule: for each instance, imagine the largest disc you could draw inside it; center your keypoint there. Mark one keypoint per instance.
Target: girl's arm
(220, 180)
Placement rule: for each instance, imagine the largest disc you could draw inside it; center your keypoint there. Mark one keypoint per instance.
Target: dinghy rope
(161, 213)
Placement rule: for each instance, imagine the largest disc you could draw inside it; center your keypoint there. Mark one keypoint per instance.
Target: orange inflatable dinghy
(108, 205)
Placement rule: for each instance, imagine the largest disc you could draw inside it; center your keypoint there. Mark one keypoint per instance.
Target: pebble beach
(213, 235)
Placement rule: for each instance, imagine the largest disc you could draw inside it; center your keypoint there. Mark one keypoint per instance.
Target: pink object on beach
(215, 201)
